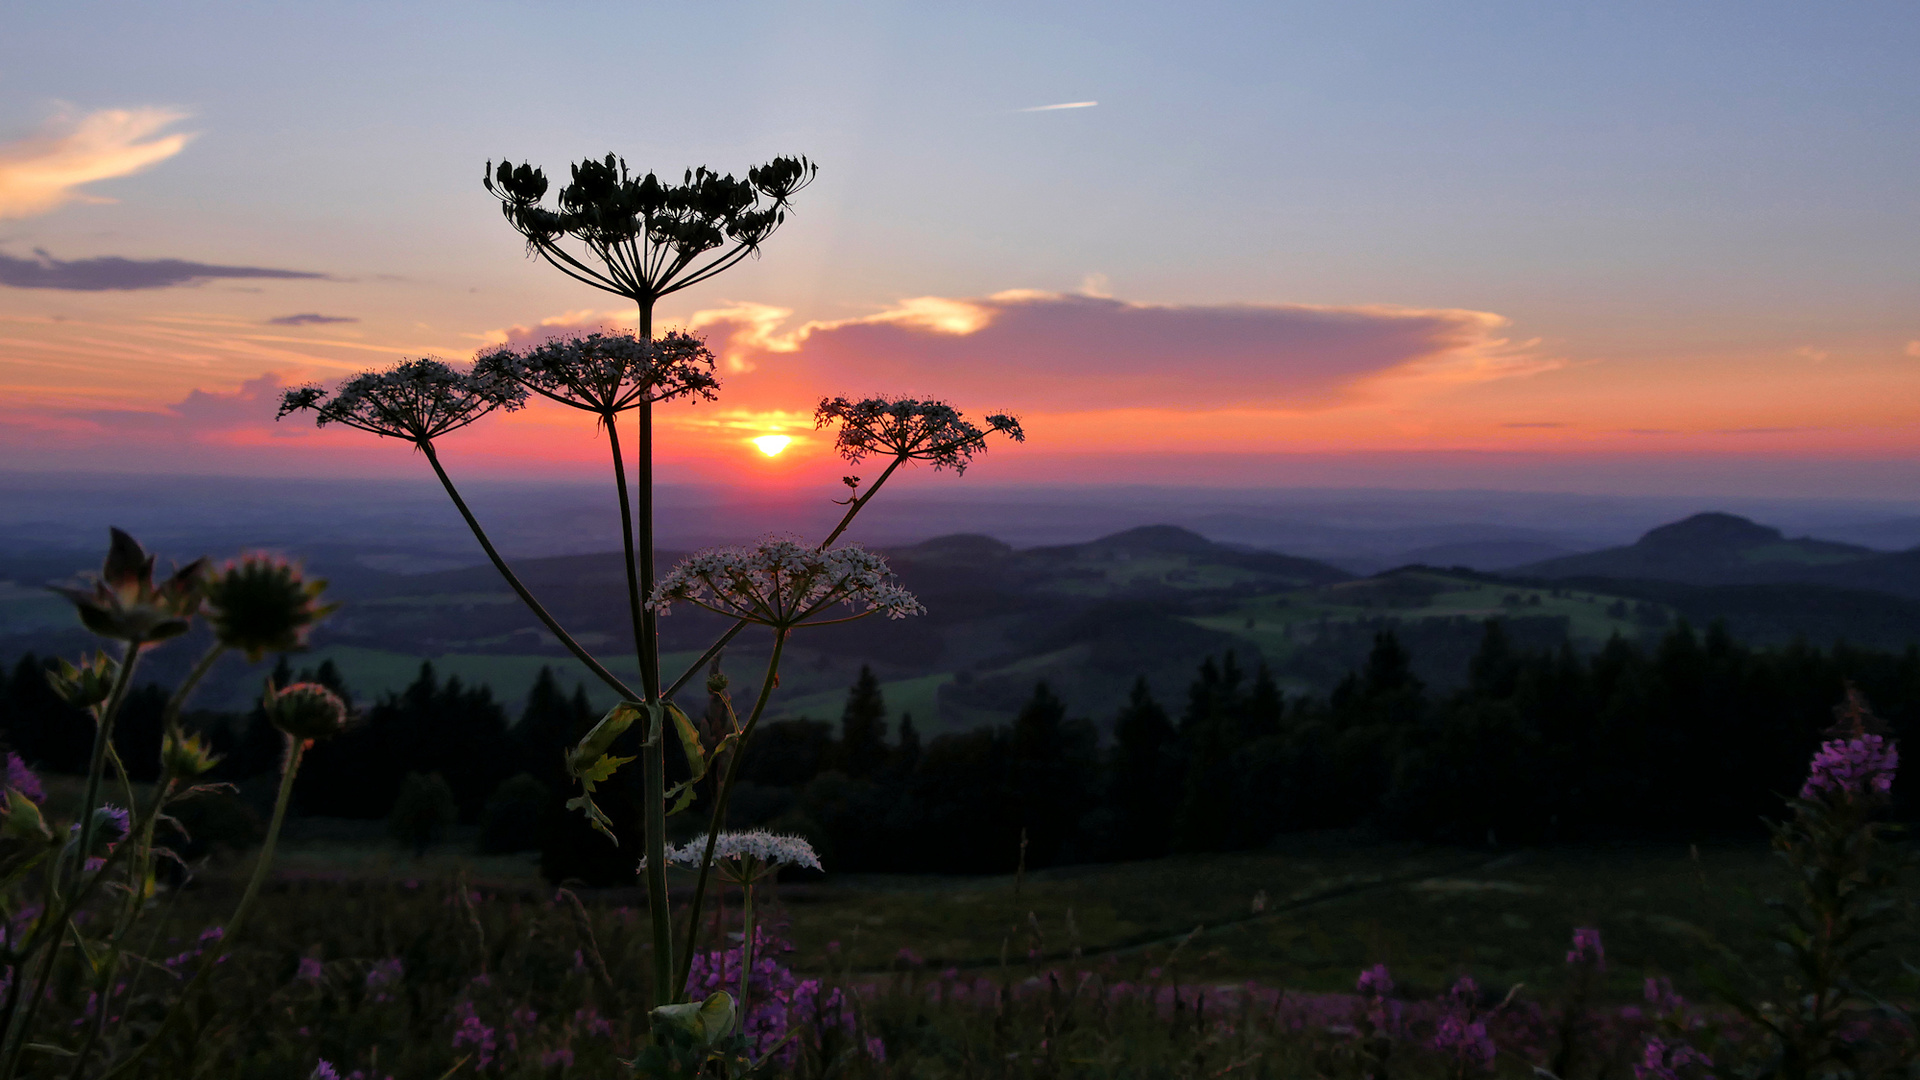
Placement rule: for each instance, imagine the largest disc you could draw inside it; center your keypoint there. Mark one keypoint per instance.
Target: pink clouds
(1061, 353)
(205, 431)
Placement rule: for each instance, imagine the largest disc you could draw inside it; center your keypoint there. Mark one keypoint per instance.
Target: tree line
(1694, 737)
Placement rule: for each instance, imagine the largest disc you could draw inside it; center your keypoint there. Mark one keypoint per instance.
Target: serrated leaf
(600, 771)
(595, 818)
(689, 742)
(599, 740)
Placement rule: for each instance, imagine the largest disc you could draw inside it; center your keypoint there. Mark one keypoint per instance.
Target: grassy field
(1308, 916)
(1278, 623)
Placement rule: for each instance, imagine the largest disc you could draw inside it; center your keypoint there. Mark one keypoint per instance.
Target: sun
(771, 445)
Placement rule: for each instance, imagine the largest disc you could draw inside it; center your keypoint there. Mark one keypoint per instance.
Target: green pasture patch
(25, 609)
(1277, 623)
(919, 696)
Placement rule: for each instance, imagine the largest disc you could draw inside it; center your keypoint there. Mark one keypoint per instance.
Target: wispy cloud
(113, 273)
(43, 172)
(1062, 105)
(309, 319)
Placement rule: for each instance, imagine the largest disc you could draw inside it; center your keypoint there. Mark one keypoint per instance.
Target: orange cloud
(44, 171)
(1057, 352)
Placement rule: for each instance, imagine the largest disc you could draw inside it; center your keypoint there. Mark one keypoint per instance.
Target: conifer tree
(863, 727)
(908, 756)
(1143, 781)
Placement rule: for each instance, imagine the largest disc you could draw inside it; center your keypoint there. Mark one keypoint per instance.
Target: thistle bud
(186, 757)
(84, 685)
(716, 682)
(261, 604)
(306, 711)
(123, 603)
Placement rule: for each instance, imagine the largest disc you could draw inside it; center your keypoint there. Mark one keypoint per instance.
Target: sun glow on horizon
(771, 445)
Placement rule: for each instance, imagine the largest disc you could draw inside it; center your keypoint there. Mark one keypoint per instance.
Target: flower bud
(306, 711)
(186, 757)
(261, 604)
(123, 602)
(85, 685)
(716, 682)
(23, 820)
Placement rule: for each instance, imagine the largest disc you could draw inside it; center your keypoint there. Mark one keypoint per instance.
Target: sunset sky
(1637, 247)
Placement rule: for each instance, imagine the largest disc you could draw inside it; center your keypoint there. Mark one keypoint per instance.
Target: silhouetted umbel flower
(417, 400)
(905, 428)
(783, 585)
(650, 237)
(608, 373)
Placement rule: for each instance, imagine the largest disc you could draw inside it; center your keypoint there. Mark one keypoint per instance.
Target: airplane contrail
(1067, 105)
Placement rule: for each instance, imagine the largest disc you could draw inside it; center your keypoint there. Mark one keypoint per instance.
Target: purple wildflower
(1464, 1040)
(22, 779)
(310, 969)
(1851, 768)
(110, 826)
(591, 1022)
(1459, 1033)
(383, 974)
(324, 1071)
(475, 1033)
(1376, 981)
(1662, 997)
(1587, 950)
(1465, 993)
(780, 1002)
(1663, 1060)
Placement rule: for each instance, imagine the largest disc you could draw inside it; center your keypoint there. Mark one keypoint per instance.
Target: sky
(1629, 247)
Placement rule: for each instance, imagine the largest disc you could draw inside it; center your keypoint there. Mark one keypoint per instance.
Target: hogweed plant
(71, 899)
(643, 238)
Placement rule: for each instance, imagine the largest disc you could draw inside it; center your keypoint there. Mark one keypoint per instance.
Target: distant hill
(1485, 554)
(1725, 549)
(1089, 618)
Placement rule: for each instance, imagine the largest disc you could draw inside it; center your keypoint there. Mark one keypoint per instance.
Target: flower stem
(29, 1004)
(263, 865)
(141, 860)
(860, 502)
(713, 650)
(746, 940)
(656, 840)
(720, 800)
(513, 580)
(102, 739)
(634, 606)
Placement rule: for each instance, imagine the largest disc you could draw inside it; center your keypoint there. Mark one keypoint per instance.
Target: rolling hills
(1090, 618)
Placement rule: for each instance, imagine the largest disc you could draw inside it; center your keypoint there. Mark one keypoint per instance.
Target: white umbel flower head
(745, 857)
(781, 584)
